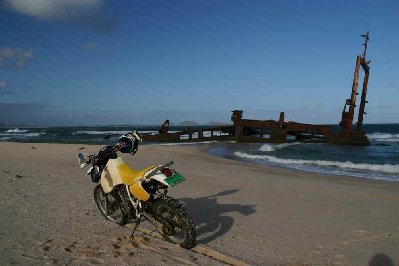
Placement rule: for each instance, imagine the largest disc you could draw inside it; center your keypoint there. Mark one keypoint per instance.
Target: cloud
(26, 87)
(385, 106)
(89, 46)
(87, 12)
(15, 57)
(5, 88)
(22, 108)
(23, 113)
(310, 107)
(4, 85)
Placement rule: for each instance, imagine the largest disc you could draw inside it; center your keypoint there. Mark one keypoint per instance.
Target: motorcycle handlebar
(120, 145)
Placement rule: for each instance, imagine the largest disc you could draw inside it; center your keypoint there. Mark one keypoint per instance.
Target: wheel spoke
(109, 206)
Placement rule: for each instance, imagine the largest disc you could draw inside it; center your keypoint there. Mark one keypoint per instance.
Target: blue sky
(140, 62)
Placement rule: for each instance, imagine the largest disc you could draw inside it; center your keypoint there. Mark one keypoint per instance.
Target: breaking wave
(114, 132)
(37, 134)
(95, 132)
(185, 143)
(385, 137)
(386, 168)
(274, 147)
(16, 130)
(20, 135)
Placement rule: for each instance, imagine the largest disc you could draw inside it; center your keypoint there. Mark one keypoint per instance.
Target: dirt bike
(125, 194)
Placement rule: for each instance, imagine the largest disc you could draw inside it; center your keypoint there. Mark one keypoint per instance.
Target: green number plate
(175, 179)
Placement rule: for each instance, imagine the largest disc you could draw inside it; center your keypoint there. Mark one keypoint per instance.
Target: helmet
(131, 141)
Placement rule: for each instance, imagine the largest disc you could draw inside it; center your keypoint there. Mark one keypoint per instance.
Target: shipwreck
(250, 130)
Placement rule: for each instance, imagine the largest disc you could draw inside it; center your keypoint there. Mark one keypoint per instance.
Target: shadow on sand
(211, 217)
(381, 259)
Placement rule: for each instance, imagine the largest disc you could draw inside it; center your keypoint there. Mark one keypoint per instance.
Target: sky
(93, 62)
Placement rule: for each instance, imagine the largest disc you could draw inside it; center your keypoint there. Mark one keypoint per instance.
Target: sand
(260, 215)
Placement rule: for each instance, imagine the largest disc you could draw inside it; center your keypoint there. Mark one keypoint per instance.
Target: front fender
(89, 171)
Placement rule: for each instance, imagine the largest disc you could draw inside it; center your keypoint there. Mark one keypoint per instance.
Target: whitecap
(36, 134)
(273, 147)
(16, 130)
(22, 135)
(95, 132)
(386, 168)
(386, 137)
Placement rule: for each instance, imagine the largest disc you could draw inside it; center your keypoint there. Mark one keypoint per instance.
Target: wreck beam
(365, 65)
(363, 100)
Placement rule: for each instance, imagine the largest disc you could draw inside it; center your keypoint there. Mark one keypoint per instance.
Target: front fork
(107, 203)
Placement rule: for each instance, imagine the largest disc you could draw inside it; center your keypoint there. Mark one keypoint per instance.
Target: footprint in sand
(80, 252)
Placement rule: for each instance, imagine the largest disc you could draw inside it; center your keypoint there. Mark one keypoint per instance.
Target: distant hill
(188, 124)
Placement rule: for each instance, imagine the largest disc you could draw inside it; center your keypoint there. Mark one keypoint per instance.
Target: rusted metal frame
(363, 100)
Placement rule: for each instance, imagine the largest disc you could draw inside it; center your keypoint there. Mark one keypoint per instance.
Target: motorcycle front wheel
(109, 206)
(178, 225)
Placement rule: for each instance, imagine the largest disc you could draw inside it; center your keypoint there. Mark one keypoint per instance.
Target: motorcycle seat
(130, 176)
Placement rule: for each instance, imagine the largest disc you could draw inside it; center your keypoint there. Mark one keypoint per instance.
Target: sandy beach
(257, 214)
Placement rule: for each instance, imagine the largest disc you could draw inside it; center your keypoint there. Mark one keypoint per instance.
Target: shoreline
(286, 167)
(258, 214)
(206, 146)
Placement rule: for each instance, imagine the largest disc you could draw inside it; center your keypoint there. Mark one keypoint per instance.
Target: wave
(274, 147)
(386, 137)
(149, 132)
(386, 168)
(36, 134)
(95, 132)
(21, 135)
(16, 130)
(115, 132)
(184, 143)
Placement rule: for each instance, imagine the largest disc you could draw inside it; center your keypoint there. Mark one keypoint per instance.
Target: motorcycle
(127, 194)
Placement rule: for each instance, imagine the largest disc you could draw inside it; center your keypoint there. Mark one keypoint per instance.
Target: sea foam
(16, 130)
(20, 135)
(386, 168)
(385, 137)
(114, 132)
(95, 132)
(184, 143)
(274, 147)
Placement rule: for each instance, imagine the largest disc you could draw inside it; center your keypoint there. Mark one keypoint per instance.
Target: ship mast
(365, 65)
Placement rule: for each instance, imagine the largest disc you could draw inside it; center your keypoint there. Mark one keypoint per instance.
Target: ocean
(380, 160)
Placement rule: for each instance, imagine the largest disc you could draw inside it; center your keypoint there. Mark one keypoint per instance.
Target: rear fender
(160, 178)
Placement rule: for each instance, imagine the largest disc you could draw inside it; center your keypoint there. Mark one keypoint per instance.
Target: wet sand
(261, 215)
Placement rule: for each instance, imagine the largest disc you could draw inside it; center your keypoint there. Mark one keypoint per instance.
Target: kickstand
(138, 220)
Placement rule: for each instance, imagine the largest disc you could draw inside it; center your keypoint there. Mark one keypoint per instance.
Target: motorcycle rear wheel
(178, 225)
(110, 206)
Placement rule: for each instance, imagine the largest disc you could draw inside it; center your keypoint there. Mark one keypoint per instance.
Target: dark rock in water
(81, 148)
(34, 148)
(107, 136)
(381, 144)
